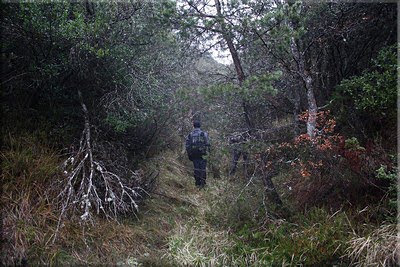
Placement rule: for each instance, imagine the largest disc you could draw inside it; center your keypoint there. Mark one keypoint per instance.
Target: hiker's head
(196, 124)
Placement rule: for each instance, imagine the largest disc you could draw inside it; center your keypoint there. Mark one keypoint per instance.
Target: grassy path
(172, 228)
(181, 225)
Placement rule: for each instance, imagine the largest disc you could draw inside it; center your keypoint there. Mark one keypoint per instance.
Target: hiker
(197, 146)
(238, 143)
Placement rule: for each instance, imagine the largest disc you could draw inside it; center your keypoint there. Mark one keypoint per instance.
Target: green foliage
(316, 238)
(225, 99)
(257, 86)
(383, 173)
(353, 143)
(122, 57)
(374, 92)
(226, 90)
(390, 175)
(287, 24)
(119, 125)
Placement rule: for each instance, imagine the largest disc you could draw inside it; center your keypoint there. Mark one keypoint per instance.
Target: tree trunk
(296, 112)
(236, 61)
(228, 39)
(312, 103)
(270, 190)
(269, 187)
(312, 107)
(305, 76)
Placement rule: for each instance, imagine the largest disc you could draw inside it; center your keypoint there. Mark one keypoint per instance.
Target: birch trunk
(303, 73)
(312, 107)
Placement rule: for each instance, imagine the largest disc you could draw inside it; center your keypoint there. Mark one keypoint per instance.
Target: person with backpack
(197, 146)
(238, 142)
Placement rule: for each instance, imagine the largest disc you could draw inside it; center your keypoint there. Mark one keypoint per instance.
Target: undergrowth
(28, 165)
(230, 223)
(378, 248)
(29, 214)
(316, 238)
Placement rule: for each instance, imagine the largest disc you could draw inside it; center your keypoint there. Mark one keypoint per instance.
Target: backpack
(198, 144)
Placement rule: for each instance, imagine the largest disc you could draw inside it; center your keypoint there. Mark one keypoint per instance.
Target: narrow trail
(172, 226)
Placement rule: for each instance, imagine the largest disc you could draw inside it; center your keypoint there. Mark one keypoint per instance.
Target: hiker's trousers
(200, 165)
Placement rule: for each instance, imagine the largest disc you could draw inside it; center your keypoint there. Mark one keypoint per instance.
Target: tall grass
(381, 247)
(195, 244)
(30, 169)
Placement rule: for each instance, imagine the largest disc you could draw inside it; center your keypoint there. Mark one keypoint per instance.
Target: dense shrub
(105, 51)
(330, 169)
(366, 105)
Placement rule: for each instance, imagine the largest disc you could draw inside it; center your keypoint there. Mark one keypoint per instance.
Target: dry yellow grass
(30, 217)
(380, 248)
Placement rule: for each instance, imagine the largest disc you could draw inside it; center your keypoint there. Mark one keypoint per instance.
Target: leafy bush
(375, 91)
(368, 103)
(391, 175)
(328, 169)
(114, 54)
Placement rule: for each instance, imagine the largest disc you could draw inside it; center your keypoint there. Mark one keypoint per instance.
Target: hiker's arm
(208, 143)
(187, 143)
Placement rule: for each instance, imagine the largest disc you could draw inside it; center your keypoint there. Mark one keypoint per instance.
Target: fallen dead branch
(90, 187)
